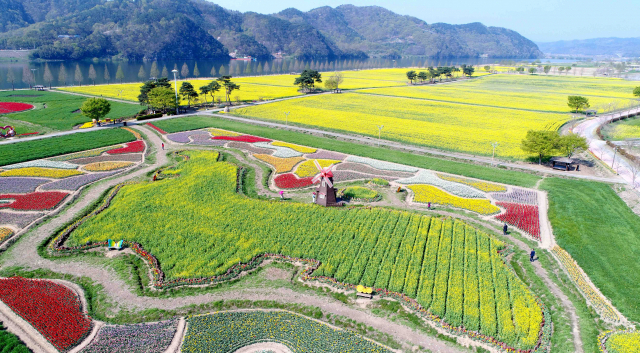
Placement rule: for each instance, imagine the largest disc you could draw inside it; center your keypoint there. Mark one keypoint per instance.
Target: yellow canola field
(449, 126)
(627, 129)
(540, 93)
(352, 80)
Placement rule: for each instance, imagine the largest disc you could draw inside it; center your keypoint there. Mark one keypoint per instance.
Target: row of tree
(545, 143)
(437, 73)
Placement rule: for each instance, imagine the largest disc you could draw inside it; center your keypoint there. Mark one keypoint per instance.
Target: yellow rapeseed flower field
(450, 126)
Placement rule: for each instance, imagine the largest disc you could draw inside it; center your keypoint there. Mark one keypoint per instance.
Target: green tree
(540, 143)
(196, 72)
(532, 70)
(229, 86)
(308, 79)
(468, 70)
(120, 73)
(185, 70)
(487, 68)
(11, 77)
(567, 69)
(334, 81)
(214, 87)
(411, 75)
(62, 75)
(578, 103)
(571, 143)
(188, 92)
(107, 75)
(423, 76)
(78, 75)
(148, 86)
(95, 108)
(142, 74)
(154, 70)
(162, 98)
(92, 74)
(259, 69)
(204, 90)
(547, 68)
(248, 69)
(636, 91)
(213, 72)
(165, 72)
(222, 71)
(48, 76)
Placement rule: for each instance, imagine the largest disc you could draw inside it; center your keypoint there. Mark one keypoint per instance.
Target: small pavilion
(591, 112)
(562, 163)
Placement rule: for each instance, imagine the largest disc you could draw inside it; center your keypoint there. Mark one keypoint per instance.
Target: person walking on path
(282, 195)
(163, 146)
(313, 196)
(533, 255)
(505, 229)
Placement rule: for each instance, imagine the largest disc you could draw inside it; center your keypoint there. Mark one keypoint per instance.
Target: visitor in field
(533, 255)
(282, 195)
(313, 197)
(163, 146)
(505, 229)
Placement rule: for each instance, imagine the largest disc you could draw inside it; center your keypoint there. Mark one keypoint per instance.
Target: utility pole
(175, 79)
(615, 151)
(380, 127)
(494, 145)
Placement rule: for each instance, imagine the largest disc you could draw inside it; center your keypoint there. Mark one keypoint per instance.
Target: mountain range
(188, 29)
(621, 47)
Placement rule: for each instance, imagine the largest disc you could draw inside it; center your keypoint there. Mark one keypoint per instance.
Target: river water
(141, 71)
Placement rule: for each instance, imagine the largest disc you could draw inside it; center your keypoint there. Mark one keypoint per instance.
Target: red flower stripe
(132, 147)
(242, 138)
(12, 107)
(525, 217)
(33, 201)
(52, 309)
(290, 181)
(157, 128)
(29, 133)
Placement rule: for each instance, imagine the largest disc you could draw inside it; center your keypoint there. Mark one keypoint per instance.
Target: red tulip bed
(12, 107)
(290, 181)
(52, 309)
(157, 128)
(131, 147)
(34, 201)
(242, 138)
(525, 217)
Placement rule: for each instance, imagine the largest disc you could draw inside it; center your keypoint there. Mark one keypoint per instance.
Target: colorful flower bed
(480, 185)
(134, 132)
(381, 165)
(425, 177)
(18, 185)
(129, 157)
(12, 107)
(578, 277)
(157, 128)
(348, 175)
(229, 331)
(52, 309)
(290, 181)
(131, 147)
(308, 168)
(428, 193)
(106, 166)
(141, 338)
(40, 172)
(86, 125)
(623, 342)
(281, 152)
(242, 138)
(197, 140)
(525, 217)
(322, 154)
(282, 165)
(76, 182)
(84, 154)
(42, 163)
(301, 149)
(517, 195)
(220, 132)
(249, 147)
(5, 233)
(34, 201)
(363, 168)
(183, 137)
(18, 219)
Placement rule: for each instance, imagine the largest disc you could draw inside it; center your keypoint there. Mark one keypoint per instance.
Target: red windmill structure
(326, 193)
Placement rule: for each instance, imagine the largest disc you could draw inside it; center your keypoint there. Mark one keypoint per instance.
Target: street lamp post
(175, 79)
(287, 118)
(494, 145)
(615, 151)
(380, 127)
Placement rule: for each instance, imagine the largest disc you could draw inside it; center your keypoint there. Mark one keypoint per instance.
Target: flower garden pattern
(40, 172)
(308, 168)
(229, 331)
(345, 253)
(281, 152)
(13, 107)
(106, 166)
(140, 338)
(20, 185)
(52, 309)
(220, 132)
(42, 163)
(242, 138)
(480, 185)
(524, 217)
(622, 342)
(131, 147)
(517, 195)
(84, 154)
(381, 164)
(291, 181)
(5, 233)
(282, 165)
(157, 128)
(429, 193)
(425, 177)
(35, 201)
(301, 149)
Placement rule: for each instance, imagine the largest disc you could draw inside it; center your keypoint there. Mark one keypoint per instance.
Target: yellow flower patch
(5, 233)
(220, 132)
(40, 172)
(480, 185)
(135, 133)
(428, 193)
(301, 149)
(624, 343)
(282, 165)
(308, 168)
(105, 166)
(86, 125)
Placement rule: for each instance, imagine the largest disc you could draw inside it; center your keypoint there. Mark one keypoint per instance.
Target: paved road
(624, 167)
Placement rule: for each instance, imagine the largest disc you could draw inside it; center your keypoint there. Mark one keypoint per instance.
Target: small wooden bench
(365, 295)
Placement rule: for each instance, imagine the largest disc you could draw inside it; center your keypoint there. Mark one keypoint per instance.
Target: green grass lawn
(602, 234)
(61, 109)
(442, 165)
(10, 343)
(54, 146)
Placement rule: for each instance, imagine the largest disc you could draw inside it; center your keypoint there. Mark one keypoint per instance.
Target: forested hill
(625, 47)
(171, 29)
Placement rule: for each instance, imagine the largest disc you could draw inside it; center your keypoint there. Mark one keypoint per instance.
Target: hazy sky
(538, 20)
